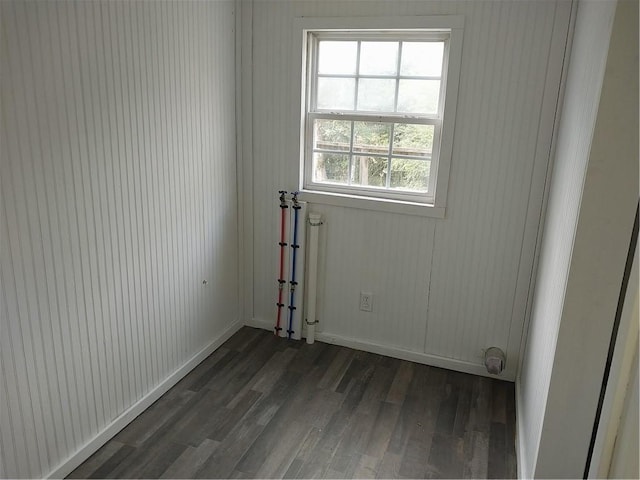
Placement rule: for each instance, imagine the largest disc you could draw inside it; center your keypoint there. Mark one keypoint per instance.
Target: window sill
(371, 203)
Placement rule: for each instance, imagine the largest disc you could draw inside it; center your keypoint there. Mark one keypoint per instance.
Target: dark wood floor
(266, 407)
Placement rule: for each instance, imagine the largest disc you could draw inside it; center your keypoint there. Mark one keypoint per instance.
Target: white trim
(386, 34)
(260, 323)
(245, 157)
(240, 167)
(377, 204)
(552, 101)
(536, 212)
(375, 117)
(418, 357)
(89, 448)
(520, 453)
(379, 23)
(369, 191)
(449, 105)
(443, 146)
(395, 352)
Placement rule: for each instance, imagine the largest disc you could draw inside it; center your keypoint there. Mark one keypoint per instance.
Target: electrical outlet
(366, 301)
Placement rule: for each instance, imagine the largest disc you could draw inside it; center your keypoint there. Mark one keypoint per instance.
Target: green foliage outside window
(369, 153)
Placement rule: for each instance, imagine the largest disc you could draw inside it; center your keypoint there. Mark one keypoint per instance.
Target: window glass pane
(378, 58)
(418, 96)
(332, 135)
(414, 140)
(330, 167)
(337, 57)
(376, 95)
(371, 137)
(410, 174)
(369, 171)
(336, 93)
(422, 59)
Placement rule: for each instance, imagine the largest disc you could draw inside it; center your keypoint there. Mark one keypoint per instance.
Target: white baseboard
(258, 323)
(70, 464)
(520, 457)
(396, 352)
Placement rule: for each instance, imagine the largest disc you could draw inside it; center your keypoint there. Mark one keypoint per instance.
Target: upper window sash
(314, 38)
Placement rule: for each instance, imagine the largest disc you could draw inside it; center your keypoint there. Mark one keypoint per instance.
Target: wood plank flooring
(265, 407)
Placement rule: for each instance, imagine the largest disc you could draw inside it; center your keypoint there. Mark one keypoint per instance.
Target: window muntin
(374, 113)
(390, 76)
(372, 154)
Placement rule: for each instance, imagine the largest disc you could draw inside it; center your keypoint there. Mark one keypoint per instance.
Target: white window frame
(448, 28)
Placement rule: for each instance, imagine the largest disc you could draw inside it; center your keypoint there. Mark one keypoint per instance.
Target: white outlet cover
(366, 301)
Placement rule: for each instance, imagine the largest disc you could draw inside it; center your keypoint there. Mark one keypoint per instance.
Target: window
(378, 110)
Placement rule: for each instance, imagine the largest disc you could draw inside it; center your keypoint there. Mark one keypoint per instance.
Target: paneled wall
(444, 289)
(118, 200)
(584, 81)
(592, 203)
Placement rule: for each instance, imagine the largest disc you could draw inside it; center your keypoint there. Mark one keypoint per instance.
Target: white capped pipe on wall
(315, 220)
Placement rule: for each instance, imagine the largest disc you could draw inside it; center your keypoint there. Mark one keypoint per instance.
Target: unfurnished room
(319, 239)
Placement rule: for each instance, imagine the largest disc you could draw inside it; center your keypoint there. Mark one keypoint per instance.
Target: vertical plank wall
(541, 407)
(118, 199)
(444, 289)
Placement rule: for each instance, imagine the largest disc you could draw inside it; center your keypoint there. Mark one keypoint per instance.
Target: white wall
(592, 201)
(118, 200)
(444, 289)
